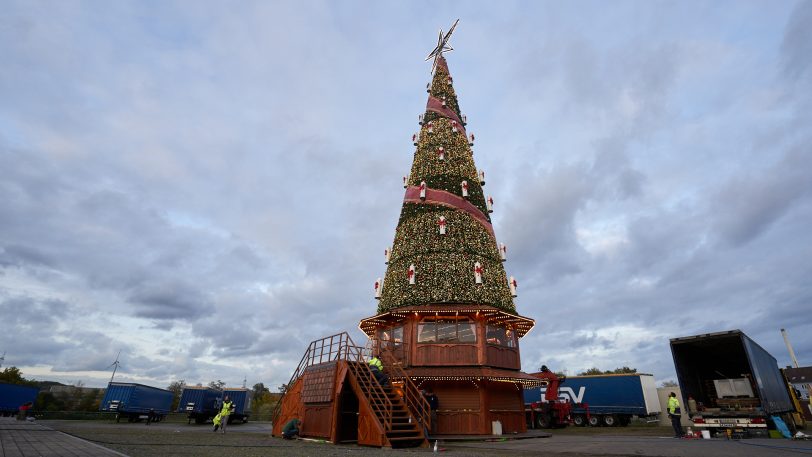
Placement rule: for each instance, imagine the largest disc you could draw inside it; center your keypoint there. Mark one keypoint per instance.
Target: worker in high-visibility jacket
(376, 366)
(221, 419)
(675, 413)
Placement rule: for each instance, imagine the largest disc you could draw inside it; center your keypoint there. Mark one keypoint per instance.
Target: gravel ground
(254, 440)
(182, 440)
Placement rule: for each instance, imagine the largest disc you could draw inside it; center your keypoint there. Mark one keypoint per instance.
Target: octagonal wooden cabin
(467, 355)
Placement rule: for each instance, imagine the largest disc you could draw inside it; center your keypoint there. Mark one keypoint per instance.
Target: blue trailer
(241, 397)
(609, 400)
(12, 396)
(136, 401)
(199, 403)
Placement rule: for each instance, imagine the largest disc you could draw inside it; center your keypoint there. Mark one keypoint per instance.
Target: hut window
(426, 332)
(446, 331)
(391, 335)
(466, 331)
(501, 336)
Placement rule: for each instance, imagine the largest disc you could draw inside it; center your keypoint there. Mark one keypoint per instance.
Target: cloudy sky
(209, 186)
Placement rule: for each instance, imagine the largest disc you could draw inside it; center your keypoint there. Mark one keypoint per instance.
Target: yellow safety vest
(226, 410)
(673, 404)
(376, 362)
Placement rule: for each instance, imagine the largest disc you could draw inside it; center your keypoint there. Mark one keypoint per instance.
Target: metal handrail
(382, 406)
(315, 351)
(393, 355)
(341, 347)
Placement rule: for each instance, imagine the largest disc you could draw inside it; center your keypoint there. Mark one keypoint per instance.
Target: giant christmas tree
(446, 311)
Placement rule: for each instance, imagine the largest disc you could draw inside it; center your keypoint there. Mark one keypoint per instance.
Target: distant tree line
(262, 400)
(596, 371)
(55, 396)
(13, 375)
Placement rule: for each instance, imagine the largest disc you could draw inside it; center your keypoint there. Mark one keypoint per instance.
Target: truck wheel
(609, 420)
(594, 421)
(579, 420)
(543, 421)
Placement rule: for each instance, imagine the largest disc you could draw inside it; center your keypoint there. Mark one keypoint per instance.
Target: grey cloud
(32, 334)
(194, 179)
(548, 206)
(749, 205)
(658, 238)
(796, 47)
(169, 300)
(23, 311)
(630, 183)
(16, 255)
(87, 352)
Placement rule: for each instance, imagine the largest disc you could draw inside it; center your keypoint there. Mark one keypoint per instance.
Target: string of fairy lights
(457, 165)
(487, 314)
(424, 265)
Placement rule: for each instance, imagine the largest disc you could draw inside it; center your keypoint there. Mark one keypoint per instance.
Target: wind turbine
(115, 366)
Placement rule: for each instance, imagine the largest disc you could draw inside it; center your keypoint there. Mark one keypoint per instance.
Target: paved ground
(96, 438)
(24, 439)
(608, 445)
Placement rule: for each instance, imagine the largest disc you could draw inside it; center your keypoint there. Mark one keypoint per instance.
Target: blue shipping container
(132, 400)
(12, 396)
(241, 398)
(199, 403)
(199, 400)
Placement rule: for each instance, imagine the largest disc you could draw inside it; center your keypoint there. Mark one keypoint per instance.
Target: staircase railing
(378, 398)
(327, 349)
(392, 355)
(341, 347)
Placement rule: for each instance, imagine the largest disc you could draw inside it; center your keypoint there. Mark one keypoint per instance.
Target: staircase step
(405, 438)
(406, 432)
(405, 426)
(402, 422)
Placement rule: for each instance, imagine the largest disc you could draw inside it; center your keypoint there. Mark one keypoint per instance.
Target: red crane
(552, 412)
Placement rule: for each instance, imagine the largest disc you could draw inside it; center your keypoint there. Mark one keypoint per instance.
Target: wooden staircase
(399, 413)
(400, 426)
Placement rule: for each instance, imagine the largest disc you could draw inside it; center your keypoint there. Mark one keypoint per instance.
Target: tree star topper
(442, 45)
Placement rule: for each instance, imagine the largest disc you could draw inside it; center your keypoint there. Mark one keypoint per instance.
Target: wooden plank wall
(506, 404)
(445, 354)
(503, 357)
(292, 406)
(318, 420)
(459, 409)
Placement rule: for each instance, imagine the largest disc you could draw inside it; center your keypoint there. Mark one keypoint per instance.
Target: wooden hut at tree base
(446, 320)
